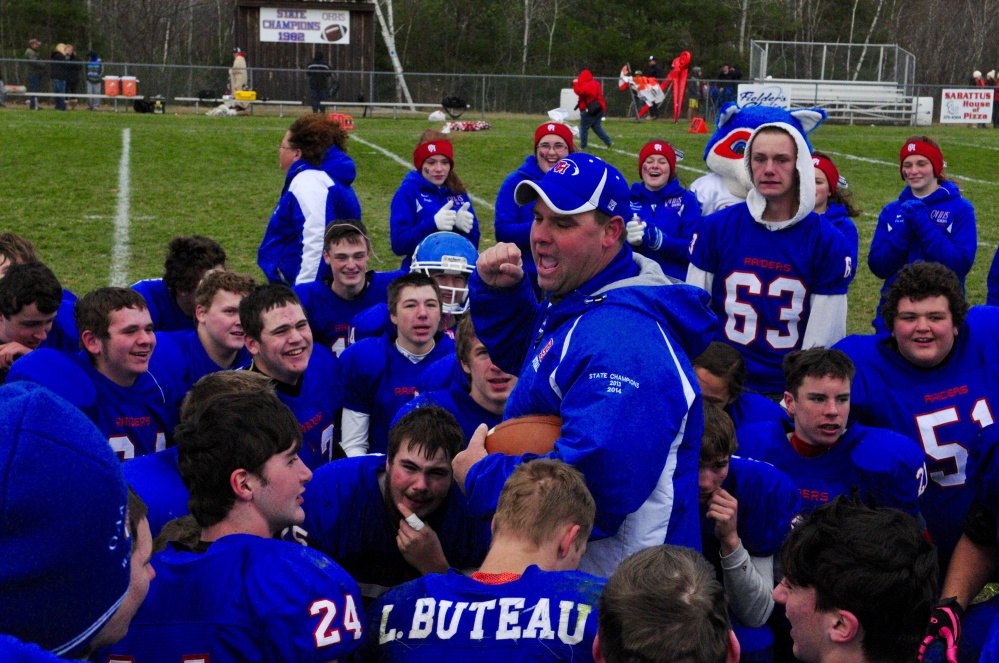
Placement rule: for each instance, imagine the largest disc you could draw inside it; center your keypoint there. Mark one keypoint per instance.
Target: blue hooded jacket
(611, 359)
(513, 221)
(411, 218)
(673, 211)
(947, 234)
(292, 249)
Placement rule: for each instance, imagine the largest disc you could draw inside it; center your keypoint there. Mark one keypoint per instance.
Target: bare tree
(386, 22)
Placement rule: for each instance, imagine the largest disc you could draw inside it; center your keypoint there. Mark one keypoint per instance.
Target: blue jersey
(457, 401)
(331, 317)
(156, 479)
(442, 374)
(886, 467)
(946, 234)
(616, 405)
(136, 420)
(411, 217)
(182, 354)
(541, 616)
(13, 650)
(162, 305)
(993, 282)
(346, 518)
(837, 216)
(752, 408)
(63, 336)
(513, 221)
(675, 213)
(246, 598)
(316, 406)
(379, 379)
(763, 283)
(941, 408)
(768, 503)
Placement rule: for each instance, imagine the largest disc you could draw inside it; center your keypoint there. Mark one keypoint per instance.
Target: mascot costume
(728, 182)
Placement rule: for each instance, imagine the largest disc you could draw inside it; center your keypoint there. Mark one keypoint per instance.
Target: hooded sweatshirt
(588, 89)
(631, 411)
(945, 233)
(411, 219)
(292, 249)
(513, 221)
(675, 213)
(776, 287)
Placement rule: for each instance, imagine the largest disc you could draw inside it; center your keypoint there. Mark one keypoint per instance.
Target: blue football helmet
(447, 253)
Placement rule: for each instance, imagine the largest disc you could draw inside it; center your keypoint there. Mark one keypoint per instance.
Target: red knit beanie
(557, 128)
(658, 147)
(426, 150)
(830, 170)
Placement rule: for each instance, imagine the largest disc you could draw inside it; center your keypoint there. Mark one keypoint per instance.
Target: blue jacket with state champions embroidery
(611, 359)
(674, 212)
(411, 217)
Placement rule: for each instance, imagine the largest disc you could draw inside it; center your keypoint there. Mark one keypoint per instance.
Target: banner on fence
(764, 95)
(966, 106)
(305, 26)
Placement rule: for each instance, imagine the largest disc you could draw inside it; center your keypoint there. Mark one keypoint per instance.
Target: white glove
(636, 230)
(464, 219)
(445, 217)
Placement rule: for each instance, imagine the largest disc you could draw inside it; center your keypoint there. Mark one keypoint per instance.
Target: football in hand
(535, 434)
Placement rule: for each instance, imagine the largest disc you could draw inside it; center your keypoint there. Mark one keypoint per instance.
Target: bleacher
(854, 101)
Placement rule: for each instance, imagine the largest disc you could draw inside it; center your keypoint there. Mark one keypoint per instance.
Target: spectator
(607, 392)
(929, 221)
(73, 69)
(238, 594)
(663, 213)
(319, 75)
(307, 378)
(747, 508)
(777, 273)
(721, 372)
(431, 199)
(931, 379)
(591, 108)
(859, 584)
(95, 74)
(358, 510)
(59, 75)
(317, 190)
(825, 455)
(110, 380)
(380, 373)
(653, 70)
(238, 79)
(552, 141)
(695, 95)
(527, 595)
(36, 71)
(664, 604)
(834, 203)
(30, 296)
(74, 569)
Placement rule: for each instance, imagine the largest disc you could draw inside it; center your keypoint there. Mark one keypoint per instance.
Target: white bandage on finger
(415, 522)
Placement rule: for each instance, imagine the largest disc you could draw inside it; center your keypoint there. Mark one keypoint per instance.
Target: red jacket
(588, 90)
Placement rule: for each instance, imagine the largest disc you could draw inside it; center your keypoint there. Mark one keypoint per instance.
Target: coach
(607, 352)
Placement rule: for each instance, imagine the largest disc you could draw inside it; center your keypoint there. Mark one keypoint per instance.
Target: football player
(388, 519)
(307, 377)
(776, 272)
(278, 601)
(170, 300)
(380, 373)
(933, 379)
(30, 296)
(721, 372)
(526, 601)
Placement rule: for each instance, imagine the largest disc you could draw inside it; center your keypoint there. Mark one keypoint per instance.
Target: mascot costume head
(729, 183)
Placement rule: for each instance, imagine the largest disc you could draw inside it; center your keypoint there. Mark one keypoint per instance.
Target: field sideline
(220, 177)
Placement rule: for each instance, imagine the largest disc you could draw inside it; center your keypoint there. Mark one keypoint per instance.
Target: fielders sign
(966, 106)
(305, 26)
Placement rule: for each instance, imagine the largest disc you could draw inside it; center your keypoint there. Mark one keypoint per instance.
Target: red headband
(658, 147)
(923, 149)
(556, 128)
(830, 170)
(426, 150)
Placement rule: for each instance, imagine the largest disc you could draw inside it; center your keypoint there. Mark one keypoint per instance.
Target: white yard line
(408, 164)
(119, 251)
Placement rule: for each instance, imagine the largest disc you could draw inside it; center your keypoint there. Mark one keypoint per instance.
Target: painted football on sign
(335, 32)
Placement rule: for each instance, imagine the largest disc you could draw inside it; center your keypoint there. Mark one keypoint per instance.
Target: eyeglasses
(282, 146)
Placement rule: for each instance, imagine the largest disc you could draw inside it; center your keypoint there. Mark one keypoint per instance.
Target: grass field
(220, 177)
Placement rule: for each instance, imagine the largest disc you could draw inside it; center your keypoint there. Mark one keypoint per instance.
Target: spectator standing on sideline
(95, 72)
(653, 70)
(36, 70)
(237, 75)
(319, 74)
(73, 69)
(591, 108)
(693, 93)
(57, 72)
